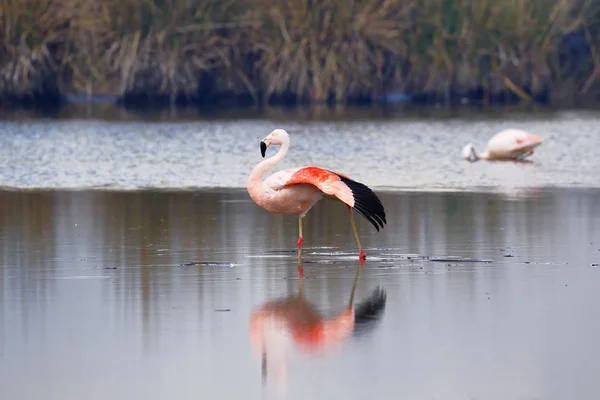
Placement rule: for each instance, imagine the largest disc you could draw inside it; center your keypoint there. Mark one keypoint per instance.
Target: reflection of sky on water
(521, 325)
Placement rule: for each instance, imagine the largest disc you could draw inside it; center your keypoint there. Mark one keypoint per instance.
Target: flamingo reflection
(291, 323)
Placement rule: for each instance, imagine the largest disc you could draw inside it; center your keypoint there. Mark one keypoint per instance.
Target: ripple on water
(209, 264)
(388, 154)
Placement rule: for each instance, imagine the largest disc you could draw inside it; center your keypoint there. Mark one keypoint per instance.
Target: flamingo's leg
(300, 276)
(362, 256)
(351, 302)
(300, 238)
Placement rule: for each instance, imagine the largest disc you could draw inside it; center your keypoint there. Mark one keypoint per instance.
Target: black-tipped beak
(263, 148)
(264, 366)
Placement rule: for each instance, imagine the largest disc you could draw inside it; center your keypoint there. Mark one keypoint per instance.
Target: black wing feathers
(366, 202)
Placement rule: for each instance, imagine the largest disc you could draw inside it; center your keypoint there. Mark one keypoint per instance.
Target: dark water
(98, 299)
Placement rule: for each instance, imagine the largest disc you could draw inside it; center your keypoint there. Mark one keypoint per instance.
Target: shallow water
(385, 149)
(149, 295)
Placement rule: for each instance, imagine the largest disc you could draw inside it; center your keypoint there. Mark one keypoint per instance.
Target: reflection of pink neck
(271, 338)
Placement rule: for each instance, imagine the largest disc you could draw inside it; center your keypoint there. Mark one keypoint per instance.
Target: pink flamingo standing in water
(294, 191)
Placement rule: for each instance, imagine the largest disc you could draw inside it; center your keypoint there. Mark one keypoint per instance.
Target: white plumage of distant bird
(509, 144)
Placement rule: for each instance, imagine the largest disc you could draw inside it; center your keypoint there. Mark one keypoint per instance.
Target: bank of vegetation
(289, 51)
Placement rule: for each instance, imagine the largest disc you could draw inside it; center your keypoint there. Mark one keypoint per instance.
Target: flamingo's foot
(300, 241)
(362, 257)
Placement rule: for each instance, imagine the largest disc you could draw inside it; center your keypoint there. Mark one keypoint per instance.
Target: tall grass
(34, 34)
(329, 49)
(298, 50)
(151, 47)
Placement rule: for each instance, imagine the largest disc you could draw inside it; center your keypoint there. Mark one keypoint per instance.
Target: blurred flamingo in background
(509, 144)
(294, 191)
(291, 323)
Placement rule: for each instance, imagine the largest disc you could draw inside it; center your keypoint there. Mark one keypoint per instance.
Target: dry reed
(298, 50)
(33, 37)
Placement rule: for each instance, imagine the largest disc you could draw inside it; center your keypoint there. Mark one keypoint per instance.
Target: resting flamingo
(294, 191)
(281, 326)
(509, 144)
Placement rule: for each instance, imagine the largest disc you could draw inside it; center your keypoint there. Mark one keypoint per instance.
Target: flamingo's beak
(264, 365)
(263, 148)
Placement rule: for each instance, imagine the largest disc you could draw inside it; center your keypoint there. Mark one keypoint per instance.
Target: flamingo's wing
(513, 140)
(369, 311)
(352, 193)
(524, 140)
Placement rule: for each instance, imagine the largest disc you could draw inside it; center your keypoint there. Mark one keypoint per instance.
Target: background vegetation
(286, 51)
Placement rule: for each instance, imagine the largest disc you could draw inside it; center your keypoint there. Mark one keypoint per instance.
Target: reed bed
(289, 51)
(33, 36)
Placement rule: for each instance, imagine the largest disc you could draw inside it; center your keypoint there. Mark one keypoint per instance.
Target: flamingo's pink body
(509, 144)
(295, 319)
(284, 326)
(294, 191)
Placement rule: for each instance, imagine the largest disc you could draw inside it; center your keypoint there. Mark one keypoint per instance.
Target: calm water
(149, 294)
(385, 149)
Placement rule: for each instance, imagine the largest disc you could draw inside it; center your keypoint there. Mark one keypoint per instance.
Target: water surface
(385, 149)
(116, 295)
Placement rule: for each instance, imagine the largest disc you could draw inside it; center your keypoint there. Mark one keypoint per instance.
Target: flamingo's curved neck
(265, 165)
(275, 347)
(479, 156)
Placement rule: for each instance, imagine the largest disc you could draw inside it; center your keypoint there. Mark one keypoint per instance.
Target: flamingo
(294, 191)
(292, 323)
(509, 144)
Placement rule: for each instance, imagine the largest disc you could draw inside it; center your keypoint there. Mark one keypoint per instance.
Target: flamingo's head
(469, 153)
(277, 137)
